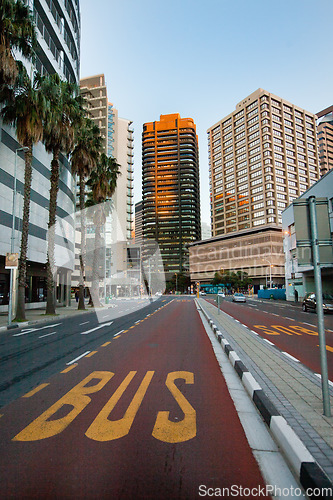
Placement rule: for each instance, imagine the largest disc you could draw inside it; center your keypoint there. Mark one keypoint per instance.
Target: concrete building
(93, 89)
(138, 223)
(262, 156)
(255, 251)
(58, 30)
(118, 142)
(170, 188)
(206, 231)
(299, 277)
(325, 139)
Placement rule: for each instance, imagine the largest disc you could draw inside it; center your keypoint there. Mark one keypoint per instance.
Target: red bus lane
(297, 339)
(148, 415)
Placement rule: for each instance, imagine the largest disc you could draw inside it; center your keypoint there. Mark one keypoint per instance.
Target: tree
(103, 183)
(17, 32)
(88, 144)
(24, 108)
(64, 114)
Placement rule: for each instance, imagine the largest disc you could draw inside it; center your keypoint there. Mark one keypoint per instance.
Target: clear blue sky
(200, 58)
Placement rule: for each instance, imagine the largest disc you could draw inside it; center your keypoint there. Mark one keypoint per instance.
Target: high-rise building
(170, 188)
(262, 157)
(58, 50)
(325, 139)
(138, 223)
(118, 142)
(93, 89)
(117, 134)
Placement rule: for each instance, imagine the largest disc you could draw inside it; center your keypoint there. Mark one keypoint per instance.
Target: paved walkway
(293, 389)
(38, 315)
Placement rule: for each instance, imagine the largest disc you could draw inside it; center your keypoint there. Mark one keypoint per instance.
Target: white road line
(255, 333)
(291, 319)
(97, 328)
(138, 321)
(84, 323)
(117, 334)
(79, 357)
(290, 356)
(309, 324)
(47, 335)
(268, 342)
(35, 329)
(319, 376)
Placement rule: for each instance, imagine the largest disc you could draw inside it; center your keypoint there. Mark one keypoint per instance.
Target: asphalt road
(145, 414)
(31, 354)
(287, 326)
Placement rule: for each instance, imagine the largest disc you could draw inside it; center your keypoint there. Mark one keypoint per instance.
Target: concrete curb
(307, 470)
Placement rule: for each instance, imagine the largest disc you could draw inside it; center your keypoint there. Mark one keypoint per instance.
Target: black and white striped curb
(307, 470)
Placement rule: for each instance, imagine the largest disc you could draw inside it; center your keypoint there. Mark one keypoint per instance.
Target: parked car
(310, 303)
(238, 297)
(221, 294)
(202, 293)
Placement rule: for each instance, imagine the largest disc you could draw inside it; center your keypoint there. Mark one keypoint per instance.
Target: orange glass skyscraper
(170, 188)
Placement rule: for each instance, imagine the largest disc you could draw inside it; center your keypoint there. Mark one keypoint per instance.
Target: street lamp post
(270, 272)
(176, 283)
(12, 240)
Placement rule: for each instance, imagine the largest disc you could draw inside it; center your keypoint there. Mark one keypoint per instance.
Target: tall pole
(319, 305)
(270, 276)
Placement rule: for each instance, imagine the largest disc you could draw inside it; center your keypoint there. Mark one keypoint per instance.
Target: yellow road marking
(328, 348)
(91, 354)
(103, 429)
(106, 343)
(66, 370)
(44, 427)
(125, 331)
(176, 432)
(37, 389)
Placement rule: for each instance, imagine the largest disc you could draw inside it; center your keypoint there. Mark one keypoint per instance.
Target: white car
(238, 297)
(221, 294)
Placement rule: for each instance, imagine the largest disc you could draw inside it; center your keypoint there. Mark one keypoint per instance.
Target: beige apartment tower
(325, 139)
(93, 89)
(262, 157)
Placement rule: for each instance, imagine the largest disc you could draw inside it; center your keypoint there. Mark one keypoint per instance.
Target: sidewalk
(38, 315)
(294, 390)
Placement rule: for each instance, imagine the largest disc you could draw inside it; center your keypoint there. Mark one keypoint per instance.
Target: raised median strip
(304, 465)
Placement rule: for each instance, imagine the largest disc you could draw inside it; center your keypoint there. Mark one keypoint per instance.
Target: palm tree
(84, 158)
(17, 32)
(24, 108)
(103, 183)
(65, 113)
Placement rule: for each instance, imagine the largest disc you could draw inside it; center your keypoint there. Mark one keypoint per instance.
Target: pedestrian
(77, 296)
(296, 295)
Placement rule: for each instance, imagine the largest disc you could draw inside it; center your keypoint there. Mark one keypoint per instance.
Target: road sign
(11, 261)
(303, 228)
(314, 247)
